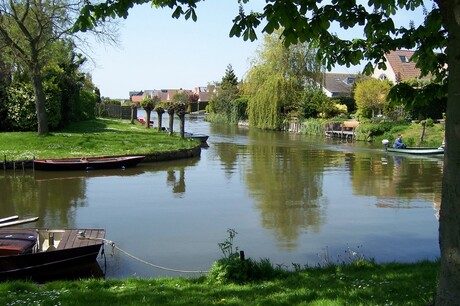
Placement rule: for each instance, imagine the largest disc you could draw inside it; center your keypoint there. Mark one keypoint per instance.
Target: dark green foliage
(224, 103)
(234, 269)
(239, 109)
(366, 131)
(229, 80)
(21, 114)
(315, 102)
(88, 103)
(349, 102)
(3, 108)
(422, 99)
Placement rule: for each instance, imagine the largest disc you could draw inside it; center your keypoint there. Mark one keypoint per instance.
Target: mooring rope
(114, 246)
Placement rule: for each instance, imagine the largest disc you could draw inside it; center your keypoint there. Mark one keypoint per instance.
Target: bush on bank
(376, 131)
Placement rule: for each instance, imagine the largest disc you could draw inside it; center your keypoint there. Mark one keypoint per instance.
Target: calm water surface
(291, 198)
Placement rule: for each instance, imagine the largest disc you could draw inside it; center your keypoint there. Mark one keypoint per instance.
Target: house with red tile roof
(399, 68)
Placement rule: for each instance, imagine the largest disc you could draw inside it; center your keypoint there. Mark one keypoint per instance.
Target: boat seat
(13, 242)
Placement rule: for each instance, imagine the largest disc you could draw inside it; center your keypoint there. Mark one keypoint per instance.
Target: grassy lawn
(99, 137)
(354, 284)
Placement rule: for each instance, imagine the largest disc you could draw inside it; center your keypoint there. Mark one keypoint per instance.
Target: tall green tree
(371, 96)
(29, 30)
(277, 79)
(310, 20)
(222, 101)
(229, 80)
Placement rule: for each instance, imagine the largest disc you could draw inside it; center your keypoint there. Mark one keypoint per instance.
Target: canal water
(291, 198)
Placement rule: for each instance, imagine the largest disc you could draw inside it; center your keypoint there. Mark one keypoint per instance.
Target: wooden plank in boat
(71, 239)
(93, 236)
(64, 240)
(7, 219)
(17, 222)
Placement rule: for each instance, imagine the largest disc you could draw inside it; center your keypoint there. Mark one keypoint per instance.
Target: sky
(156, 51)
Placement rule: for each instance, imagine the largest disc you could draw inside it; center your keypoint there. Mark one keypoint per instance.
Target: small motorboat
(88, 163)
(37, 253)
(414, 150)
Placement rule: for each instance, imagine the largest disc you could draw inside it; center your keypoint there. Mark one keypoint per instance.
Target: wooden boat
(35, 253)
(89, 163)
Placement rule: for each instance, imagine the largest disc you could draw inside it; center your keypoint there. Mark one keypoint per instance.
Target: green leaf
(235, 31)
(177, 12)
(194, 17)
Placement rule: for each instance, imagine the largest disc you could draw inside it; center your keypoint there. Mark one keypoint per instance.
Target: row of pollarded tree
(178, 105)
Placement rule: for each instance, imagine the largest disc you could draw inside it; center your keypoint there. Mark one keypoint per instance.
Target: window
(404, 59)
(349, 80)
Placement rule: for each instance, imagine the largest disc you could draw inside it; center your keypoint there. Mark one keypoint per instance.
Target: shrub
(429, 122)
(233, 269)
(88, 102)
(21, 110)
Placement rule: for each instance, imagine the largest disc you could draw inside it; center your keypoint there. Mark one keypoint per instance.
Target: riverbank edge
(359, 283)
(149, 158)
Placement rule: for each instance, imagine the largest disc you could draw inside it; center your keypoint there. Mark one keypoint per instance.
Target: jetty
(345, 129)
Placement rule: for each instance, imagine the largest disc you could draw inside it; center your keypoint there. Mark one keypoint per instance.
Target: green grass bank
(360, 283)
(99, 137)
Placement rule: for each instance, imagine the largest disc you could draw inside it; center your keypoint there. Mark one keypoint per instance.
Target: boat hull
(417, 150)
(201, 137)
(71, 254)
(96, 163)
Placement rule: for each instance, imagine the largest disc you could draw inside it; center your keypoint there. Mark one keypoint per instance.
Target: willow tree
(276, 80)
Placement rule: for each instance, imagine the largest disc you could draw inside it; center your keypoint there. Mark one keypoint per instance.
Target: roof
(402, 65)
(339, 84)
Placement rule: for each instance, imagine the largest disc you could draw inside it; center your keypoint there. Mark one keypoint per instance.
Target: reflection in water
(178, 185)
(289, 196)
(54, 201)
(287, 185)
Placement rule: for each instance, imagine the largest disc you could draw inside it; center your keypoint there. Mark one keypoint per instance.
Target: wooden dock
(345, 129)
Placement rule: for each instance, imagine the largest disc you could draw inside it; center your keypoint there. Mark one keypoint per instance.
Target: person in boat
(399, 143)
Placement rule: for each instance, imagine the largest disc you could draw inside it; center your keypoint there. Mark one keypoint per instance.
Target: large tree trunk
(422, 134)
(160, 120)
(448, 292)
(182, 125)
(147, 115)
(171, 122)
(40, 101)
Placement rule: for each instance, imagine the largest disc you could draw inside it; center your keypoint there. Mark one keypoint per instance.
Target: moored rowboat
(201, 137)
(35, 253)
(89, 163)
